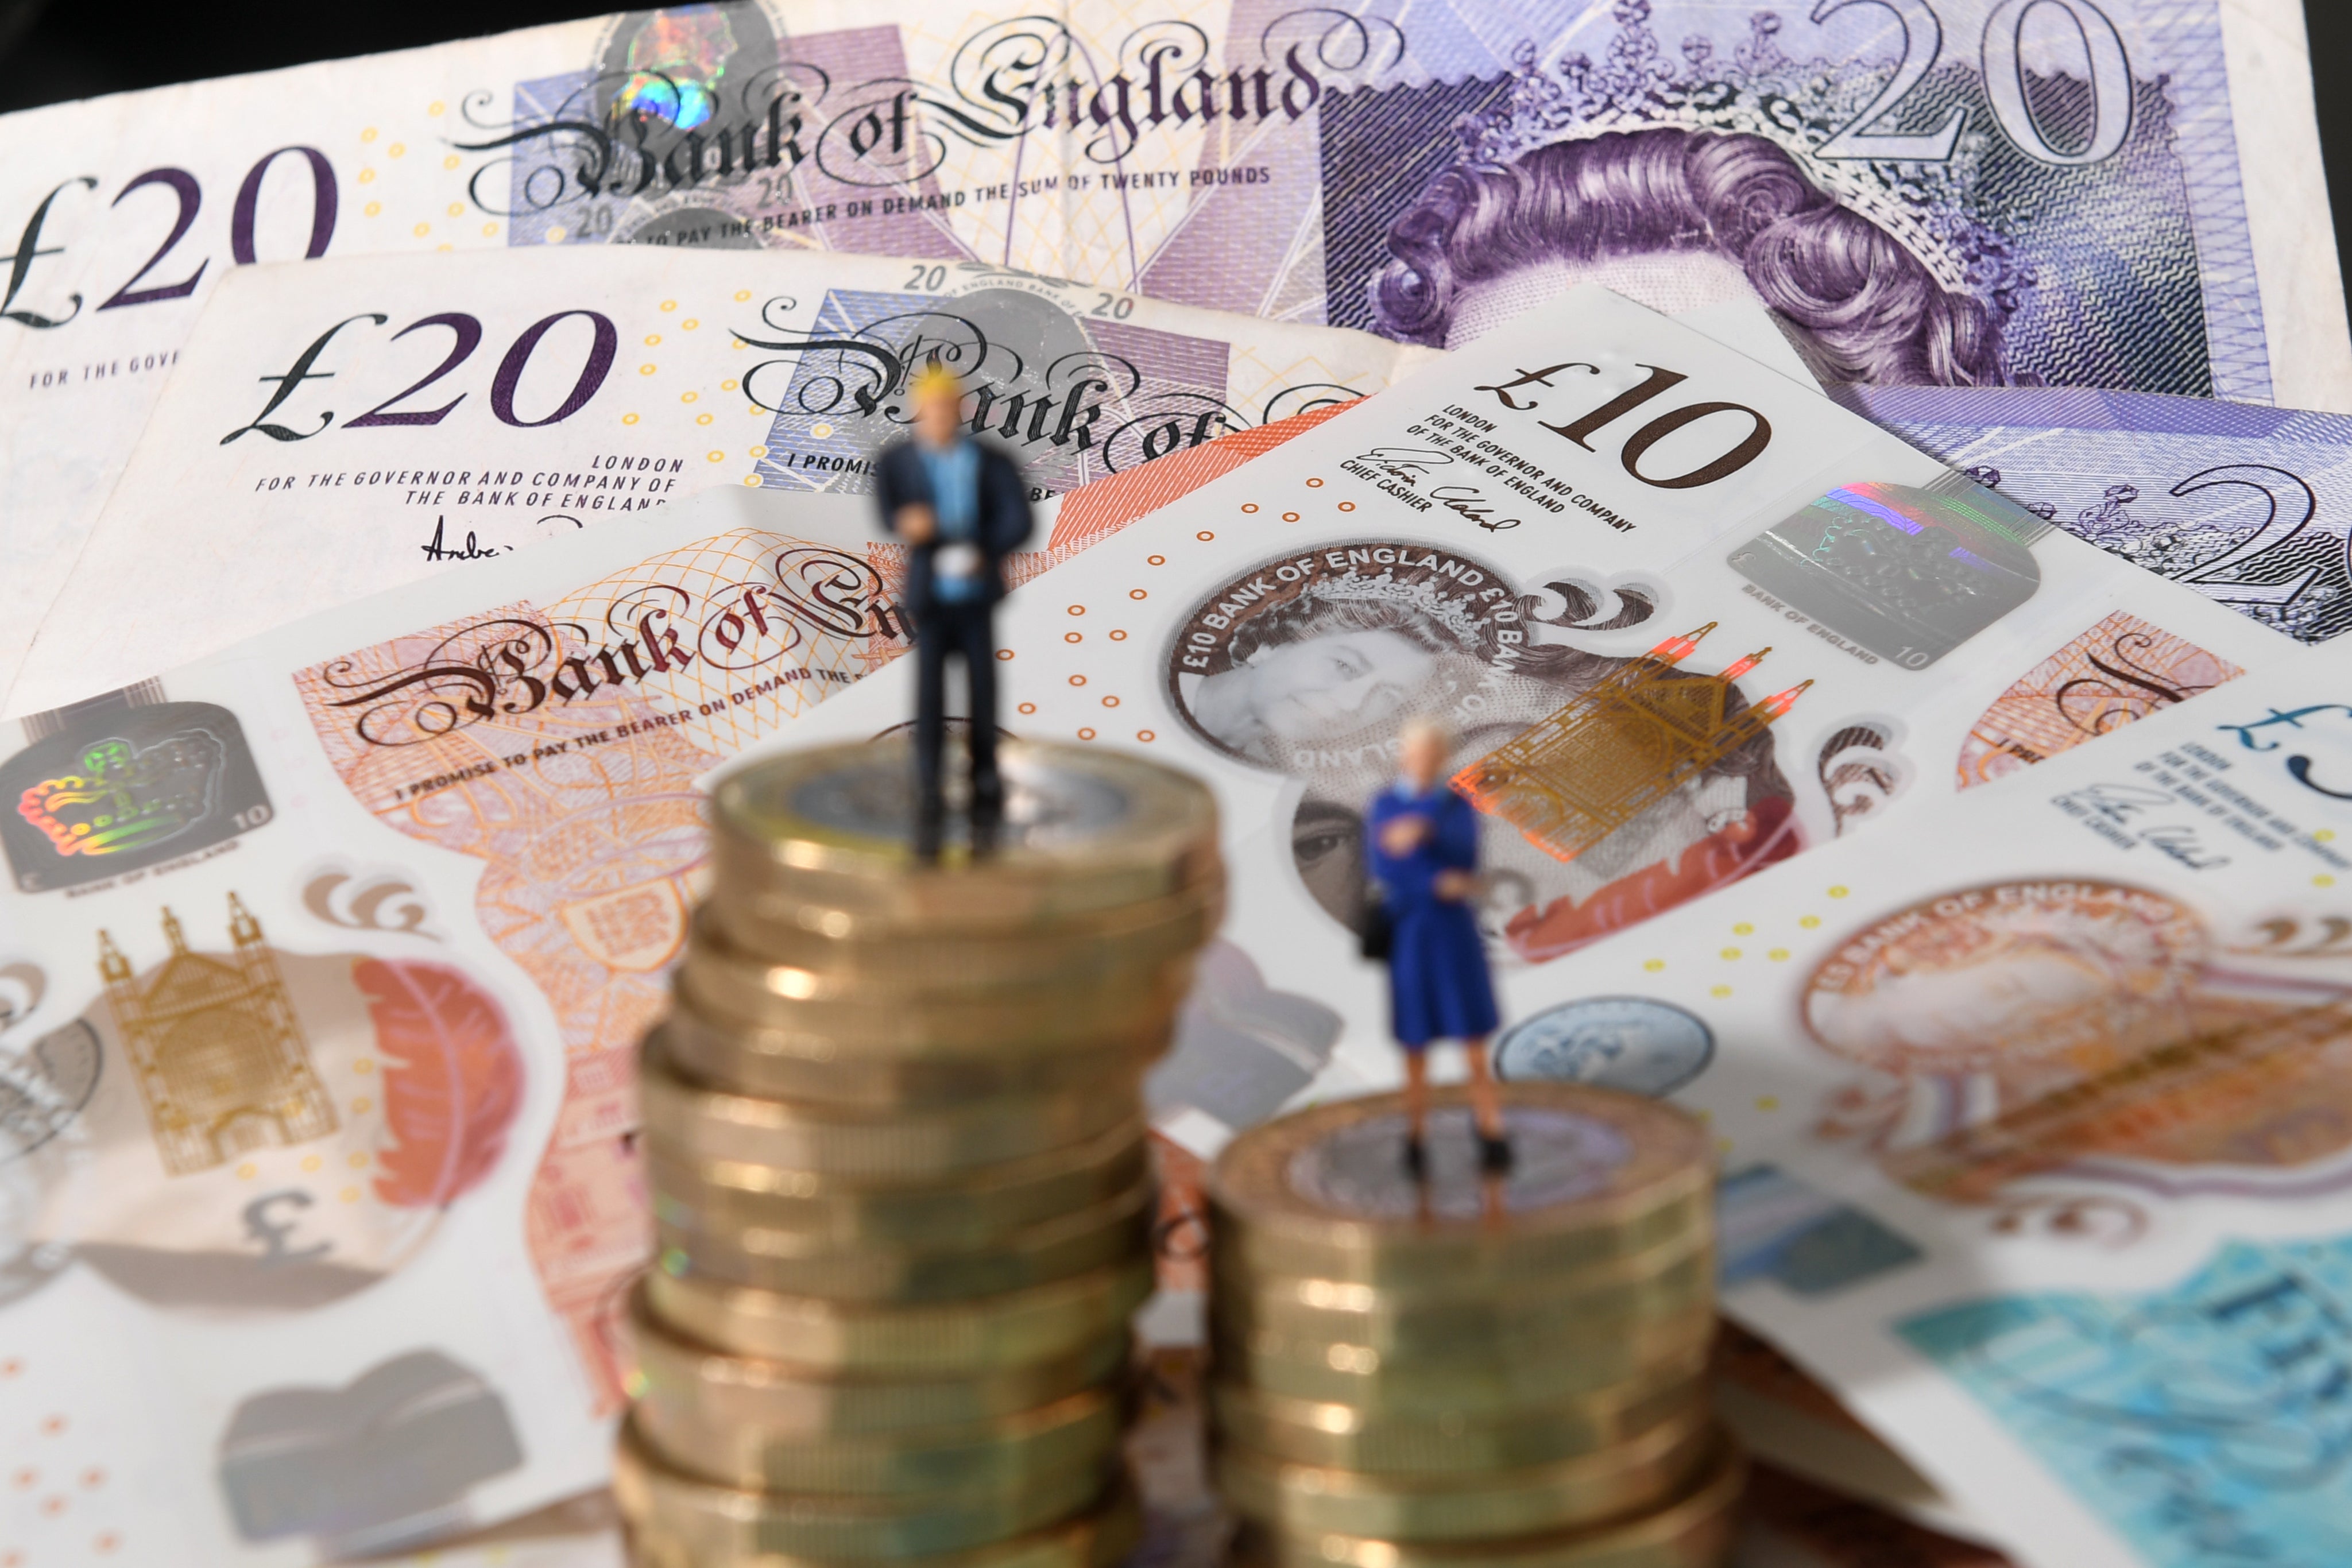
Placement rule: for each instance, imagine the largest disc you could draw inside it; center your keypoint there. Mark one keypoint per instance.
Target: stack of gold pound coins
(902, 1196)
(1504, 1371)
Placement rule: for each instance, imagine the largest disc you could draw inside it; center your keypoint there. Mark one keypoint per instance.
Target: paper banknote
(2077, 152)
(336, 428)
(2122, 194)
(218, 534)
(2249, 505)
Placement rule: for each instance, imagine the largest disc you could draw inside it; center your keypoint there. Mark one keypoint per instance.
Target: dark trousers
(965, 630)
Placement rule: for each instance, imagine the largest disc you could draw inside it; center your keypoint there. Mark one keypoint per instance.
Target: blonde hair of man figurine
(1422, 849)
(960, 503)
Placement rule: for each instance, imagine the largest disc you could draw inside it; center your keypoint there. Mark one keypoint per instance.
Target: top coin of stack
(902, 1197)
(1501, 1370)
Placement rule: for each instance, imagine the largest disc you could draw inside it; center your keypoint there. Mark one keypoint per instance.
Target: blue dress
(1438, 984)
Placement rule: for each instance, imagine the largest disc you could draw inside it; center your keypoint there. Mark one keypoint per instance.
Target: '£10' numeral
(1637, 445)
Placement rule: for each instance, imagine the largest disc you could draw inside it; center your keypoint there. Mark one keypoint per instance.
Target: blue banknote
(2250, 506)
(2208, 1423)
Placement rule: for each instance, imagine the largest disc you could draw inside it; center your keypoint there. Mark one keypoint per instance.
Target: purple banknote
(2245, 504)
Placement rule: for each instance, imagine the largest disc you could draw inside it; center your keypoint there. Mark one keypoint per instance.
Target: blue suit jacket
(1001, 512)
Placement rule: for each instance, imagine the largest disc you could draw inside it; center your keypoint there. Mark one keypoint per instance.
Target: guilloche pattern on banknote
(2245, 504)
(2086, 1027)
(1079, 398)
(2063, 211)
(559, 744)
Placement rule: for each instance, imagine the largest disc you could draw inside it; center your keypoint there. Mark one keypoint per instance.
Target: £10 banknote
(1718, 657)
(345, 426)
(318, 1068)
(1511, 540)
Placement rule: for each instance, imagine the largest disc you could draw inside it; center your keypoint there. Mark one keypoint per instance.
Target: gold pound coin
(1307, 1500)
(840, 1524)
(986, 1333)
(1595, 1174)
(753, 1060)
(1691, 1529)
(673, 1521)
(815, 1014)
(1074, 1243)
(1529, 1319)
(829, 1214)
(681, 1382)
(1012, 1452)
(820, 840)
(1334, 1372)
(691, 1121)
(951, 965)
(1306, 1432)
(927, 976)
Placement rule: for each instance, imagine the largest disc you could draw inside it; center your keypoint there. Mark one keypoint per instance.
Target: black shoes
(987, 814)
(1494, 1156)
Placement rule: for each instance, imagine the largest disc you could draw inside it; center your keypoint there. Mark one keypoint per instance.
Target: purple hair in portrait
(1870, 310)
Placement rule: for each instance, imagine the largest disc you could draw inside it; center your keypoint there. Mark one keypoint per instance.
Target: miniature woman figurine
(1422, 852)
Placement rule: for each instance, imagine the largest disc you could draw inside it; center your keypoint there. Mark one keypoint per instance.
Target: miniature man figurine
(960, 503)
(1423, 851)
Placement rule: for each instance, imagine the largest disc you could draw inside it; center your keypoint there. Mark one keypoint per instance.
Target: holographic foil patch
(1907, 574)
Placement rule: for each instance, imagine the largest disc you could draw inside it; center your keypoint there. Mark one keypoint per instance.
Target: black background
(52, 50)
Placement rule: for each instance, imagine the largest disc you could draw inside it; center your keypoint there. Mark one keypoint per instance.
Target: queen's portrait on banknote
(1677, 219)
(1305, 668)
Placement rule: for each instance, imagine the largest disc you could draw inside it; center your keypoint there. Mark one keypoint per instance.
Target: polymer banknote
(1601, 546)
(344, 427)
(322, 976)
(2037, 1124)
(2247, 503)
(1733, 755)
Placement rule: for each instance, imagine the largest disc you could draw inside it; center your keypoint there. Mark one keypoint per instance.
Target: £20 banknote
(336, 428)
(2247, 503)
(2125, 194)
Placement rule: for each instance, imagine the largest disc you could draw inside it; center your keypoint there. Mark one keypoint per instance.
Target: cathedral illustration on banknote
(1619, 747)
(220, 1058)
